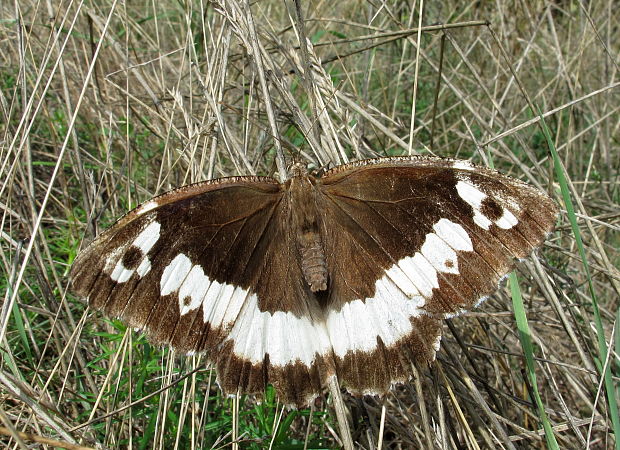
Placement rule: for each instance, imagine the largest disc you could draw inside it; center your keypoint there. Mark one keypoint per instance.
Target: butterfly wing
(209, 267)
(412, 240)
(408, 241)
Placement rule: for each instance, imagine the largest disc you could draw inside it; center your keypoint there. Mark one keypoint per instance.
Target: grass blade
(526, 344)
(600, 334)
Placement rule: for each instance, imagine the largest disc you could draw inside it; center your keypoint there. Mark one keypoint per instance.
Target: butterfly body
(304, 203)
(348, 274)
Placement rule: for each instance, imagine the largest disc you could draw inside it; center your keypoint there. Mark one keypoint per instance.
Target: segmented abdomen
(313, 263)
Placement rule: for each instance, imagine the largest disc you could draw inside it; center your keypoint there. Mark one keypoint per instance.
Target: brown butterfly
(348, 275)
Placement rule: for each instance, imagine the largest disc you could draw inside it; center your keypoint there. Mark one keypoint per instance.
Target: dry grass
(106, 104)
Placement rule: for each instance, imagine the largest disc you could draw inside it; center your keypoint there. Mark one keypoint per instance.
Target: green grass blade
(616, 362)
(526, 344)
(21, 329)
(602, 345)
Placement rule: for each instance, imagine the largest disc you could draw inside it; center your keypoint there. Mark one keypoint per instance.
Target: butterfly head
(298, 169)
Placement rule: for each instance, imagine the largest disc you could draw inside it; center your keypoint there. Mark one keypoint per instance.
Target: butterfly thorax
(305, 221)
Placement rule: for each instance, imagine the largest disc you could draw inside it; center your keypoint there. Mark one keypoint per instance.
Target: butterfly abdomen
(313, 263)
(304, 221)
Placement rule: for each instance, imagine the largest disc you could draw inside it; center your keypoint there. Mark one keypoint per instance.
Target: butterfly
(349, 274)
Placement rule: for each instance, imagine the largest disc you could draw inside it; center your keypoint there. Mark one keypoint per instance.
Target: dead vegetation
(105, 104)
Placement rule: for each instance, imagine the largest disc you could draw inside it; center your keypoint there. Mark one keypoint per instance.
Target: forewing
(444, 231)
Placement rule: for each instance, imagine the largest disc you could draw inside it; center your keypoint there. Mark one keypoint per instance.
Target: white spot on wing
(210, 300)
(195, 287)
(148, 206)
(217, 302)
(401, 280)
(148, 237)
(121, 274)
(277, 337)
(421, 273)
(387, 315)
(144, 267)
(235, 303)
(338, 333)
(144, 242)
(174, 274)
(454, 235)
(462, 164)
(507, 221)
(249, 342)
(474, 197)
(283, 336)
(439, 254)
